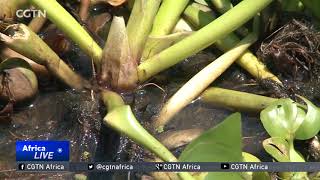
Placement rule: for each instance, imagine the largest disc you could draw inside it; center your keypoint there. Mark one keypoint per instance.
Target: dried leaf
(119, 70)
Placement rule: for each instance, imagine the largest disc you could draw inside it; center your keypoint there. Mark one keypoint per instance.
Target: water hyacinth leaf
(281, 118)
(218, 144)
(282, 150)
(278, 148)
(221, 143)
(118, 67)
(247, 157)
(311, 124)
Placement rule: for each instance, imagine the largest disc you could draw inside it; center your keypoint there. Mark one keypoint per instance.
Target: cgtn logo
(42, 150)
(28, 13)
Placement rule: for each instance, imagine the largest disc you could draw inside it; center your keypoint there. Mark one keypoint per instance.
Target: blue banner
(42, 150)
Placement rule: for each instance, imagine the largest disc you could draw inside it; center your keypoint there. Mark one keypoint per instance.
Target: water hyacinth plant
(285, 121)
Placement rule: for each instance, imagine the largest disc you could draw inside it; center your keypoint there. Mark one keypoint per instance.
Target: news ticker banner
(54, 156)
(62, 166)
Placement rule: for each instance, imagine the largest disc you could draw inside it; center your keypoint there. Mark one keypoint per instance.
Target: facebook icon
(21, 166)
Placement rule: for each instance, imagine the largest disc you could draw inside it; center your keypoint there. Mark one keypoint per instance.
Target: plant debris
(293, 53)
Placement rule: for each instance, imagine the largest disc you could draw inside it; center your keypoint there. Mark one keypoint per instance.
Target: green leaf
(261, 176)
(221, 143)
(223, 175)
(247, 157)
(278, 148)
(311, 124)
(282, 150)
(282, 118)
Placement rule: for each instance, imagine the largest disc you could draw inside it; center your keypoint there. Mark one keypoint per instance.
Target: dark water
(57, 116)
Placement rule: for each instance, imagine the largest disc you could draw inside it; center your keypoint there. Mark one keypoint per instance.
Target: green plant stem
(111, 100)
(121, 118)
(40, 70)
(247, 61)
(167, 16)
(140, 24)
(222, 6)
(197, 16)
(293, 154)
(164, 22)
(236, 100)
(201, 81)
(27, 43)
(314, 6)
(204, 37)
(66, 23)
